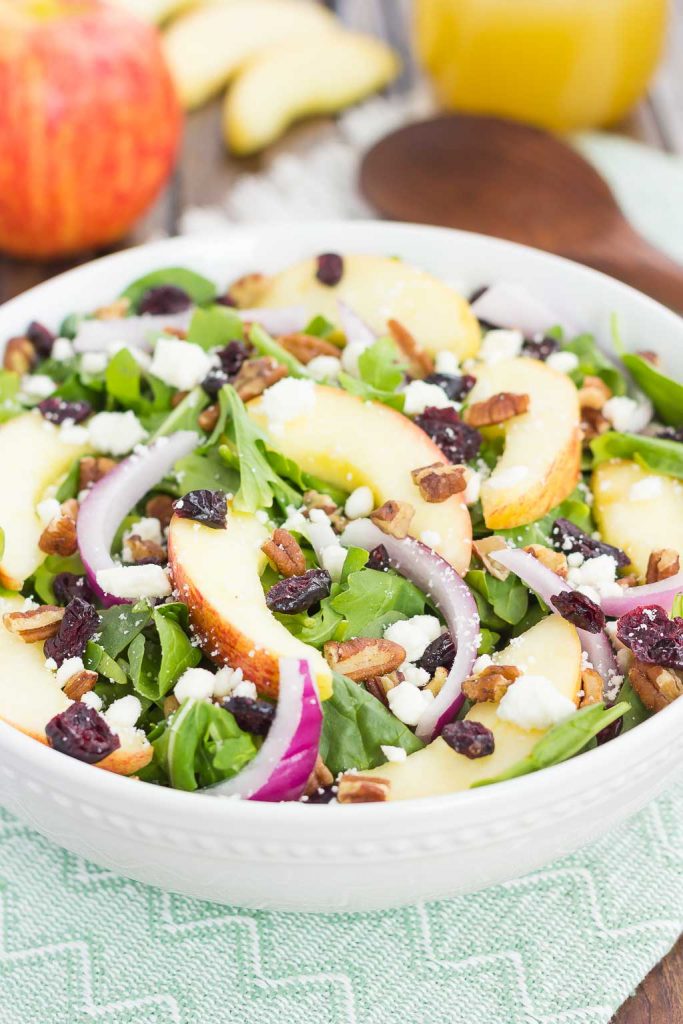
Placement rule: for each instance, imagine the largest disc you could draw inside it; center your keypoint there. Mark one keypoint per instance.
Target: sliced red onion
(547, 584)
(355, 329)
(509, 305)
(98, 335)
(445, 589)
(105, 506)
(661, 593)
(286, 320)
(284, 763)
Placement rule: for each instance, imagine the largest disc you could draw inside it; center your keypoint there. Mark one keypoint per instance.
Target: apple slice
(30, 696)
(33, 456)
(379, 289)
(539, 467)
(352, 443)
(552, 649)
(217, 574)
(282, 84)
(206, 47)
(638, 517)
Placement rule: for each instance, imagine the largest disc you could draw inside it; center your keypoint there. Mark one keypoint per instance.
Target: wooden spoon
(508, 179)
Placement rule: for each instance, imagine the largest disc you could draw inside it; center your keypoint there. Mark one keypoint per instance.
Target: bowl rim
(106, 786)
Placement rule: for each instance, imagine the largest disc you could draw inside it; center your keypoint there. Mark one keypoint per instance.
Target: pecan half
(556, 561)
(593, 393)
(497, 409)
(379, 686)
(440, 481)
(114, 311)
(256, 375)
(208, 418)
(491, 683)
(284, 553)
(320, 778)
(246, 290)
(362, 789)
(655, 685)
(160, 507)
(35, 625)
(142, 551)
(91, 470)
(662, 564)
(80, 683)
(394, 518)
(305, 347)
(593, 687)
(20, 356)
(593, 423)
(418, 357)
(59, 536)
(364, 657)
(483, 549)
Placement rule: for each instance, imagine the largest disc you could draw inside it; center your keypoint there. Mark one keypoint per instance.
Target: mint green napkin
(565, 945)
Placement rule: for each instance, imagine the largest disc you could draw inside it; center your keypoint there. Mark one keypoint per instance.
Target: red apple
(89, 124)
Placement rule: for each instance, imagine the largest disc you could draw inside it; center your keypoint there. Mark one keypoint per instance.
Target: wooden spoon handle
(626, 255)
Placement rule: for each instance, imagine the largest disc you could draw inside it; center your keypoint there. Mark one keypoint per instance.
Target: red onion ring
(508, 305)
(444, 587)
(284, 763)
(355, 329)
(111, 499)
(661, 593)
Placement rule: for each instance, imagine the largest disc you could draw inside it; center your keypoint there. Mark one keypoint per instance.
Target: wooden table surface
(204, 176)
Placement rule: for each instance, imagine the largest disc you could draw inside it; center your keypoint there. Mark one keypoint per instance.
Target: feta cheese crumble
(595, 577)
(115, 433)
(501, 344)
(393, 753)
(180, 363)
(195, 684)
(419, 396)
(409, 703)
(48, 510)
(322, 368)
(332, 558)
(532, 702)
(412, 674)
(351, 353)
(133, 582)
(286, 400)
(359, 503)
(68, 669)
(37, 385)
(447, 362)
(626, 414)
(92, 700)
(563, 362)
(646, 489)
(62, 350)
(414, 635)
(94, 362)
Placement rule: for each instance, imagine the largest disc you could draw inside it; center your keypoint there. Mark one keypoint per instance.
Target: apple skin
(89, 126)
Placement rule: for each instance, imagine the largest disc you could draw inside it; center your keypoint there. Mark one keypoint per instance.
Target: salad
(335, 534)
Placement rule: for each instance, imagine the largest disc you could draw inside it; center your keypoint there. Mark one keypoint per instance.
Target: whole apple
(89, 124)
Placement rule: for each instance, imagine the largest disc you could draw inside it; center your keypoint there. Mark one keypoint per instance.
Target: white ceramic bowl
(323, 858)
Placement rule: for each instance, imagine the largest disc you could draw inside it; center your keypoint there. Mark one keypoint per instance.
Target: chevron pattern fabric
(565, 945)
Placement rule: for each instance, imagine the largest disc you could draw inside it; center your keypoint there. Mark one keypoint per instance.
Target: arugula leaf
(380, 365)
(200, 289)
(214, 327)
(177, 652)
(285, 467)
(197, 471)
(396, 400)
(267, 346)
(665, 393)
(122, 379)
(9, 389)
(369, 595)
(356, 726)
(184, 416)
(201, 745)
(508, 598)
(655, 453)
(314, 630)
(319, 327)
(121, 624)
(97, 660)
(562, 741)
(593, 362)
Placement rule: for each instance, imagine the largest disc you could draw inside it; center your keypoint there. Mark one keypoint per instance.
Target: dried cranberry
(82, 733)
(330, 267)
(457, 440)
(214, 381)
(653, 636)
(163, 300)
(41, 339)
(67, 585)
(79, 624)
(540, 348)
(610, 732)
(671, 434)
(570, 538)
(469, 738)
(225, 300)
(208, 507)
(379, 559)
(233, 356)
(56, 410)
(579, 610)
(298, 593)
(324, 795)
(440, 653)
(254, 716)
(455, 387)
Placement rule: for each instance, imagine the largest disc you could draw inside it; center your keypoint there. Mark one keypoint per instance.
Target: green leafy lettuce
(593, 362)
(214, 327)
(200, 289)
(654, 453)
(380, 373)
(665, 393)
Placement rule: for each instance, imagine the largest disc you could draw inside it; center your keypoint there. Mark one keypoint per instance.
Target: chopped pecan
(320, 778)
(362, 789)
(655, 685)
(421, 363)
(556, 561)
(483, 549)
(305, 347)
(364, 657)
(650, 356)
(80, 683)
(283, 552)
(394, 518)
(491, 683)
(144, 551)
(246, 290)
(379, 686)
(593, 423)
(179, 397)
(497, 409)
(662, 564)
(435, 684)
(171, 704)
(593, 393)
(35, 625)
(256, 375)
(176, 332)
(593, 687)
(70, 508)
(59, 537)
(20, 356)
(628, 581)
(114, 311)
(208, 418)
(315, 499)
(440, 480)
(93, 469)
(160, 507)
